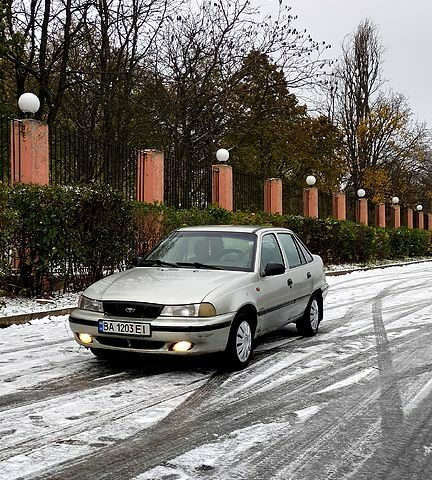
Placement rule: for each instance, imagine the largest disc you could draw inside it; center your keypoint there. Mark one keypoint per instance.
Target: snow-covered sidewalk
(12, 306)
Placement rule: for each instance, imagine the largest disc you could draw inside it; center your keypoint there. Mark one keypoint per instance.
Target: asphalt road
(353, 402)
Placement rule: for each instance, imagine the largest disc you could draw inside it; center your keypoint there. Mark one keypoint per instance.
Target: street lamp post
(222, 155)
(362, 207)
(420, 217)
(310, 198)
(395, 213)
(29, 103)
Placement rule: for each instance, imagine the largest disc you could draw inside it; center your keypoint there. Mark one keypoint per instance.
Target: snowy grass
(10, 306)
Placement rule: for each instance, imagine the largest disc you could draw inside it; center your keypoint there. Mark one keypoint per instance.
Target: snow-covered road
(353, 402)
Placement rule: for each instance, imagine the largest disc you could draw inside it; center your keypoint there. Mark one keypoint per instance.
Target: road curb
(28, 317)
(374, 267)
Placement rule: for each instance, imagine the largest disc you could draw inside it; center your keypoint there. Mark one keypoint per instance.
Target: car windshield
(213, 250)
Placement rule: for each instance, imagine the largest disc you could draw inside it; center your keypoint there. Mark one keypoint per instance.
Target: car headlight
(86, 303)
(192, 310)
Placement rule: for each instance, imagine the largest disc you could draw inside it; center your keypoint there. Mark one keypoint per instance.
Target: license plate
(124, 328)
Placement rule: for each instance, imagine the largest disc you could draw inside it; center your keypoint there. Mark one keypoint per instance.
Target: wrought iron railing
(325, 204)
(292, 200)
(5, 149)
(248, 191)
(351, 207)
(186, 183)
(76, 159)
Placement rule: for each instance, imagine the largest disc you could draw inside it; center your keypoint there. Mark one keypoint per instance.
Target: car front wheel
(307, 326)
(240, 342)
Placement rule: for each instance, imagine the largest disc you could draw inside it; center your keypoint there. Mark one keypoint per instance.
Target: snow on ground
(214, 456)
(10, 306)
(90, 407)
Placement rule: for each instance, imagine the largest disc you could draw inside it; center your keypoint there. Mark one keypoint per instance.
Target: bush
(72, 236)
(337, 242)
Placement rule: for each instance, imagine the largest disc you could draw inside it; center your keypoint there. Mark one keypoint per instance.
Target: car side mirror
(272, 269)
(136, 261)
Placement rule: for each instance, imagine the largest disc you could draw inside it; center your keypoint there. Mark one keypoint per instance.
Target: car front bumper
(207, 335)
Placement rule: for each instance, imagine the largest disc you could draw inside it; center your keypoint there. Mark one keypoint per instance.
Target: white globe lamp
(310, 180)
(419, 208)
(28, 103)
(222, 155)
(361, 193)
(395, 200)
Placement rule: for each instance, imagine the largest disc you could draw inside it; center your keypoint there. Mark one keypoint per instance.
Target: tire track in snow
(32, 443)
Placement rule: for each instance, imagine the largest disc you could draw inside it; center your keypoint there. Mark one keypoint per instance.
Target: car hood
(166, 286)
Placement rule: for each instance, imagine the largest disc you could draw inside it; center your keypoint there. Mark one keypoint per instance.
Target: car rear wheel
(240, 343)
(308, 325)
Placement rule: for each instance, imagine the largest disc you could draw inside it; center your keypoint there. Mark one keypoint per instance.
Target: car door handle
(309, 275)
(290, 282)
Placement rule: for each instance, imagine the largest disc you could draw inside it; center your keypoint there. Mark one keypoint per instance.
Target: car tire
(240, 343)
(308, 325)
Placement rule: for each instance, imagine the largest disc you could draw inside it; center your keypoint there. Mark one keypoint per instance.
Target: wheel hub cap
(314, 314)
(243, 341)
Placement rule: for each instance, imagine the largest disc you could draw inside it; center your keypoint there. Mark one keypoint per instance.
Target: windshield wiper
(157, 262)
(198, 265)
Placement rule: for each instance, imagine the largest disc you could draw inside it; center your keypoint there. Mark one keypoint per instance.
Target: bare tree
(380, 134)
(40, 35)
(199, 61)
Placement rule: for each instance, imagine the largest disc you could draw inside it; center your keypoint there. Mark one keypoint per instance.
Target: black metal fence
(292, 200)
(325, 204)
(187, 184)
(351, 207)
(5, 149)
(76, 159)
(248, 191)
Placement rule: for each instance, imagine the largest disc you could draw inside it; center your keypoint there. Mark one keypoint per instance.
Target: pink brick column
(429, 216)
(339, 206)
(395, 216)
(380, 215)
(222, 186)
(410, 218)
(273, 195)
(310, 202)
(150, 176)
(362, 211)
(420, 220)
(29, 152)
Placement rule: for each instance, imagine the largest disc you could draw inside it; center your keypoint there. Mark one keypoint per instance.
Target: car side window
(307, 255)
(270, 251)
(290, 249)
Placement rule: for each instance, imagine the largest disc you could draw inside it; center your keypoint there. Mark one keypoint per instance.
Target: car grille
(130, 343)
(132, 310)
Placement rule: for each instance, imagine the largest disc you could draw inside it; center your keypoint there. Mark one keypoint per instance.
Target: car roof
(233, 228)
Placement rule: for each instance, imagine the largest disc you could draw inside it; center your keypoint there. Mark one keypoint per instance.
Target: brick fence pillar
(395, 216)
(410, 218)
(150, 176)
(222, 186)
(380, 215)
(29, 152)
(273, 195)
(420, 220)
(339, 206)
(362, 216)
(310, 202)
(429, 222)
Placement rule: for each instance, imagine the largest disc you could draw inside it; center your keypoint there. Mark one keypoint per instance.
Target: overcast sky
(405, 30)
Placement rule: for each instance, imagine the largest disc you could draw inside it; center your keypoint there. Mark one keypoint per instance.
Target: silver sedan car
(202, 290)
